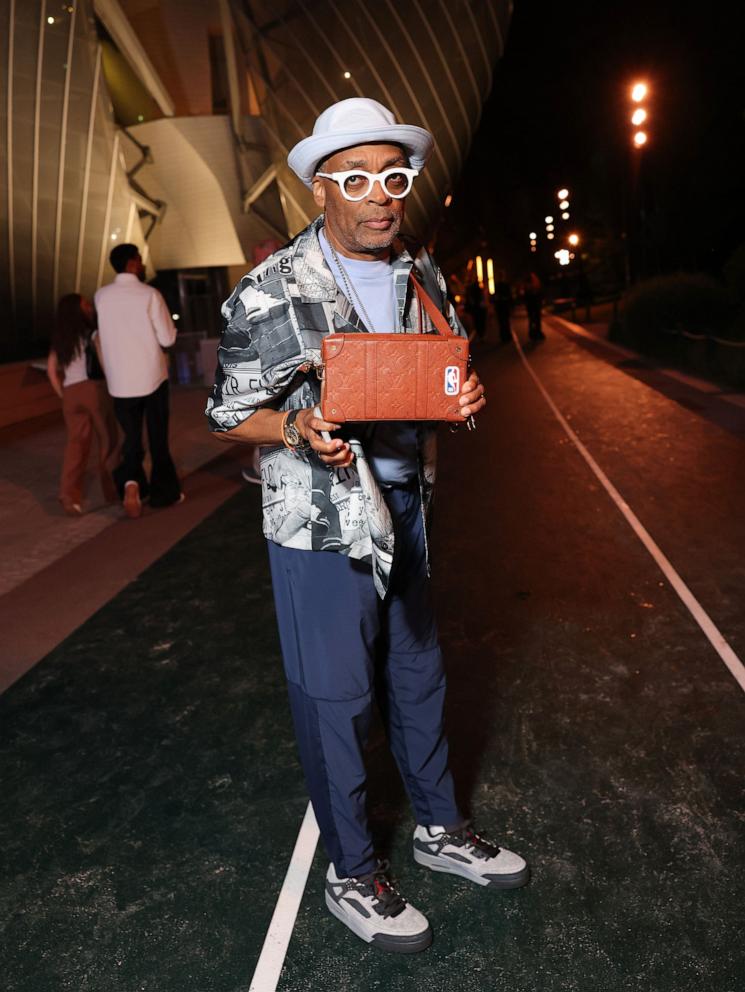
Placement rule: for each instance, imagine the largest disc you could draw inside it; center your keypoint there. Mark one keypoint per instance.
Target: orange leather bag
(395, 376)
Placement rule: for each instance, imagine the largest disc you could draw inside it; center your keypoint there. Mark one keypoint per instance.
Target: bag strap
(425, 300)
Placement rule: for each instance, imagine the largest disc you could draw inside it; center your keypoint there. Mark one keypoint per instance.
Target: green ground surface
(151, 795)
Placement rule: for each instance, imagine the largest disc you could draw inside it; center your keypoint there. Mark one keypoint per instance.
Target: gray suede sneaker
(464, 852)
(375, 912)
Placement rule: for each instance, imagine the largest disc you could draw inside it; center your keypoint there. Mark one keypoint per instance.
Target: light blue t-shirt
(390, 445)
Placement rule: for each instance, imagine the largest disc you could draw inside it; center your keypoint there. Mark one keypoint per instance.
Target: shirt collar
(126, 277)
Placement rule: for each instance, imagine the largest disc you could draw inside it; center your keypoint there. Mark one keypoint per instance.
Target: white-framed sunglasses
(355, 184)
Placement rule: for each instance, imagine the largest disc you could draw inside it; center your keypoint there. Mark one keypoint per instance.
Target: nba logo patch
(452, 380)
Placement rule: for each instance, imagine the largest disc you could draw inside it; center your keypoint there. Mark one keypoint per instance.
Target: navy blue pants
(336, 634)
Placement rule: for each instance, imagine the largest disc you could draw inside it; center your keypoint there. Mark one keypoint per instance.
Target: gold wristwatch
(291, 435)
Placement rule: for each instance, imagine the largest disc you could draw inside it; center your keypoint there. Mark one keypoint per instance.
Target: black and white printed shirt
(276, 318)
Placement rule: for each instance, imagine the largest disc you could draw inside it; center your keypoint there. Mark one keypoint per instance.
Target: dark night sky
(558, 115)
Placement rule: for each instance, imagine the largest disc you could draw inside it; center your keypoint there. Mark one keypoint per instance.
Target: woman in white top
(86, 404)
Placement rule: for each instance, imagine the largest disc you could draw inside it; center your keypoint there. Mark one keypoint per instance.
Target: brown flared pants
(88, 410)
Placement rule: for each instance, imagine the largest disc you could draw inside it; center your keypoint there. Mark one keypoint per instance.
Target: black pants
(503, 319)
(164, 487)
(534, 319)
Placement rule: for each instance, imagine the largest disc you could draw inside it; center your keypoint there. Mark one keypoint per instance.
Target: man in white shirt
(134, 326)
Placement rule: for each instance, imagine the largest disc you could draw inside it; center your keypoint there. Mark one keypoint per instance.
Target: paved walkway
(33, 529)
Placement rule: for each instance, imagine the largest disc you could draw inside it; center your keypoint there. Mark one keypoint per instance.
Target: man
(533, 296)
(344, 514)
(502, 302)
(134, 326)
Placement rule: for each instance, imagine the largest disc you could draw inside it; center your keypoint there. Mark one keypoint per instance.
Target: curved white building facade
(167, 123)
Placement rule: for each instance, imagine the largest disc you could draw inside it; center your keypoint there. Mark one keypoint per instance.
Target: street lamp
(636, 235)
(563, 194)
(573, 239)
(639, 91)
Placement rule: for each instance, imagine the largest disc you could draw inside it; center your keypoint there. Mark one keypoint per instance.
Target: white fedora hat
(357, 121)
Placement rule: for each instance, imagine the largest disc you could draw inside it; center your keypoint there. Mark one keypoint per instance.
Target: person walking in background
(476, 308)
(502, 302)
(86, 405)
(533, 296)
(134, 327)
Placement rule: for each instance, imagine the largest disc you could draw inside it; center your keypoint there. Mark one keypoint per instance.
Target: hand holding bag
(395, 376)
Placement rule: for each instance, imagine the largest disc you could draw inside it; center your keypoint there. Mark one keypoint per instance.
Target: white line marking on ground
(276, 942)
(699, 614)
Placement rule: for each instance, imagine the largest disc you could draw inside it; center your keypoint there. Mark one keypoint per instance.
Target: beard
(353, 236)
(373, 241)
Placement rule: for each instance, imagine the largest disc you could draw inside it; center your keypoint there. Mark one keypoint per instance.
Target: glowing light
(639, 116)
(549, 220)
(564, 204)
(50, 20)
(533, 235)
(176, 316)
(550, 236)
(574, 239)
(549, 227)
(562, 194)
(640, 138)
(563, 256)
(638, 92)
(490, 275)
(565, 215)
(480, 270)
(448, 199)
(533, 248)
(347, 75)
